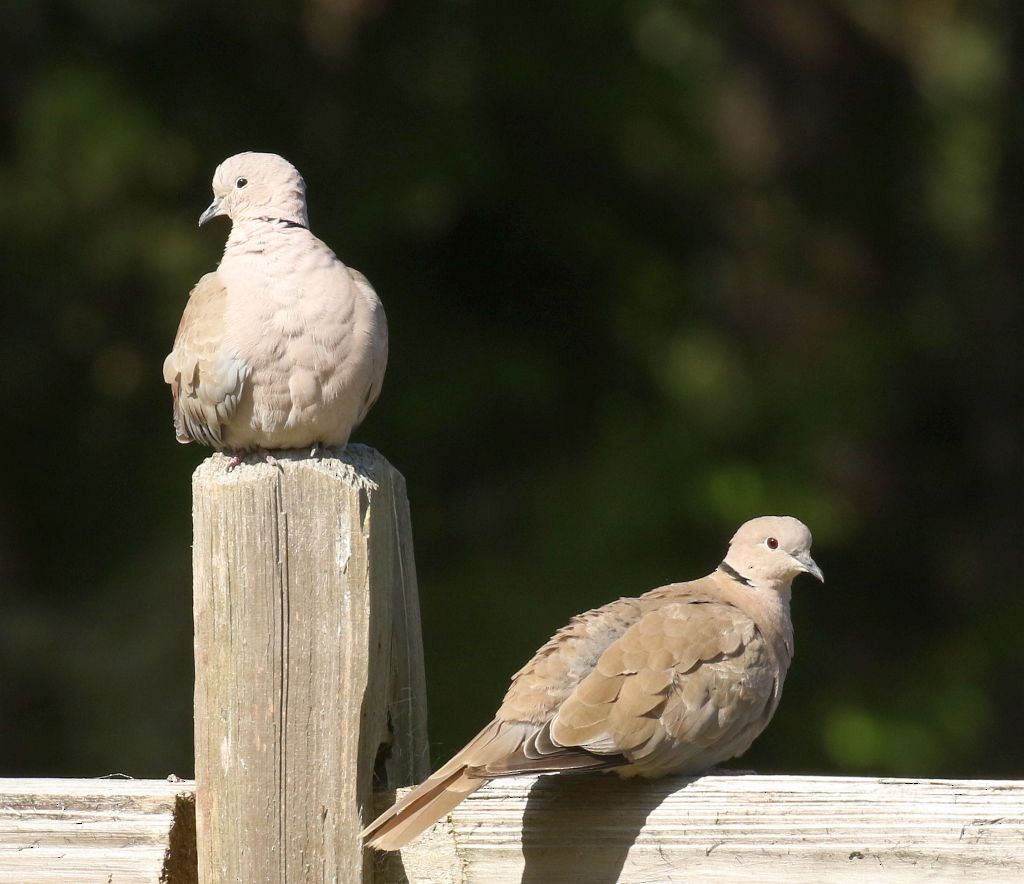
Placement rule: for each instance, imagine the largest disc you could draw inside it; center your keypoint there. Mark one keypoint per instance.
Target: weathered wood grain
(723, 828)
(309, 672)
(569, 829)
(57, 831)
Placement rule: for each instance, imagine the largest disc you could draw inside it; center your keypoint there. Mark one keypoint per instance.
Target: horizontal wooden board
(723, 828)
(546, 830)
(107, 831)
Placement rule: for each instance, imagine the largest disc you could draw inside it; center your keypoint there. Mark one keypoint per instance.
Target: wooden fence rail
(555, 830)
(723, 828)
(97, 832)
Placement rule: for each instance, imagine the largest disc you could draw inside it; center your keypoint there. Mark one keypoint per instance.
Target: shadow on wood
(596, 834)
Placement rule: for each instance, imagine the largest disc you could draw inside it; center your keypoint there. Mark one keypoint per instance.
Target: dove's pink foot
(240, 456)
(269, 458)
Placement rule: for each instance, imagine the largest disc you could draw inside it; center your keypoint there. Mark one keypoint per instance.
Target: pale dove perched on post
(675, 681)
(282, 346)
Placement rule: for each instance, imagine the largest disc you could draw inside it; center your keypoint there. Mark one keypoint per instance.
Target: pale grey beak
(808, 564)
(212, 212)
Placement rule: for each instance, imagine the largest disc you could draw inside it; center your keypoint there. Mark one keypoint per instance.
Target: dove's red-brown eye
(241, 182)
(772, 543)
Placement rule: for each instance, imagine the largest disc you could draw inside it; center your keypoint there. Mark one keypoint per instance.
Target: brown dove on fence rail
(282, 346)
(675, 681)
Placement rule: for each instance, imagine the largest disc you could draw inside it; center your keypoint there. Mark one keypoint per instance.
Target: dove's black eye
(772, 543)
(241, 182)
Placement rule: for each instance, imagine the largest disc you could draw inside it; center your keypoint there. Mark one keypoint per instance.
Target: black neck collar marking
(283, 221)
(728, 569)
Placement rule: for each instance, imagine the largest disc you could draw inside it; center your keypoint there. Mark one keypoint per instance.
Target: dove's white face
(772, 550)
(252, 186)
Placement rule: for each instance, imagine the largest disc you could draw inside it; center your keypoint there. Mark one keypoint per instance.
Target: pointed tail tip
(371, 840)
(371, 835)
(374, 839)
(380, 835)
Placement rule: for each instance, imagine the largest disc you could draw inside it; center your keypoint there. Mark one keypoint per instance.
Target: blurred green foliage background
(650, 268)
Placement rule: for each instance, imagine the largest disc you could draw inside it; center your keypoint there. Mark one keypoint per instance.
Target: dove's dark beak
(808, 564)
(212, 212)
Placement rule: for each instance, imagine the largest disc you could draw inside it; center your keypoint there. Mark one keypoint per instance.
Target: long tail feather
(420, 809)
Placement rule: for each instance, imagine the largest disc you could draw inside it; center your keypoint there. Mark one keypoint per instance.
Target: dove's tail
(439, 793)
(502, 749)
(421, 808)
(446, 787)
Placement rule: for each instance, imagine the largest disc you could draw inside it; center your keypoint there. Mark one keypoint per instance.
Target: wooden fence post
(309, 669)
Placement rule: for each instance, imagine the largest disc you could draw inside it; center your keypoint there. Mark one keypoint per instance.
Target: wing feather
(207, 382)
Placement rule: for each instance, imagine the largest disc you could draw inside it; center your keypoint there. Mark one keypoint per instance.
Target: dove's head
(771, 551)
(251, 186)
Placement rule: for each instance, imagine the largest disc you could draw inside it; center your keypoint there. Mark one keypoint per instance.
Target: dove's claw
(270, 459)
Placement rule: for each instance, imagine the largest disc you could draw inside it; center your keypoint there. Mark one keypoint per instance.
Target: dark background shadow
(650, 269)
